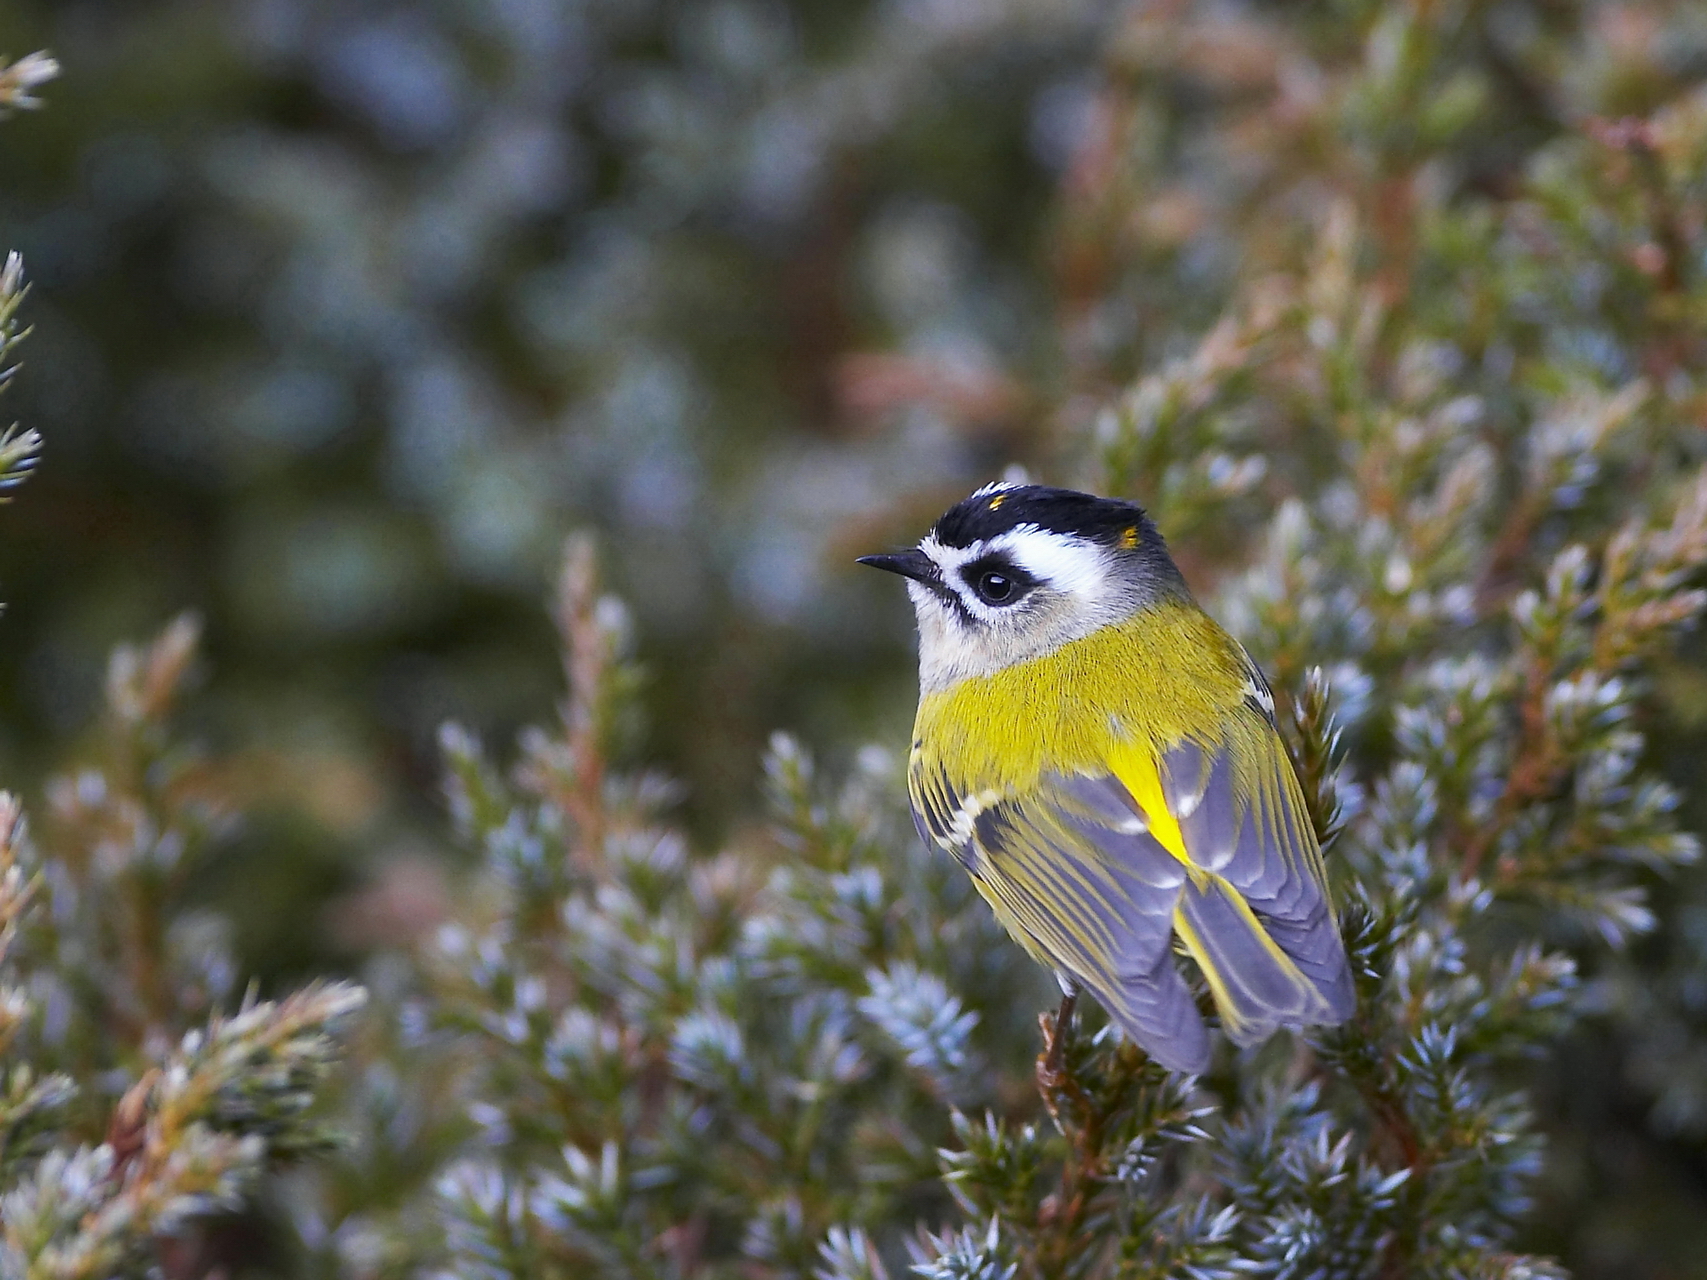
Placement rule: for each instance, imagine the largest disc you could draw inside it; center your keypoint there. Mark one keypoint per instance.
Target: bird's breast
(1167, 673)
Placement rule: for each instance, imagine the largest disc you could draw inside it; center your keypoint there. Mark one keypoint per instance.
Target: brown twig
(585, 658)
(1511, 548)
(1061, 1216)
(1534, 772)
(1055, 1038)
(1055, 1079)
(127, 1130)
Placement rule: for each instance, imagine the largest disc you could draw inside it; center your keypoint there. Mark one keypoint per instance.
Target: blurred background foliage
(346, 312)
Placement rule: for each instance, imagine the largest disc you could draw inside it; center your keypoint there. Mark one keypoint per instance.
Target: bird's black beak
(914, 564)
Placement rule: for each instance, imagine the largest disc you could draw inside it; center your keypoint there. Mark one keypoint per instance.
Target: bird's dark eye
(994, 580)
(996, 588)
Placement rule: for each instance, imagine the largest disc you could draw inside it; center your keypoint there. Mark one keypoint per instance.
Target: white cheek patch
(1069, 565)
(947, 558)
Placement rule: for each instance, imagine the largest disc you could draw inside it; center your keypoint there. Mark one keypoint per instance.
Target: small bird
(1103, 759)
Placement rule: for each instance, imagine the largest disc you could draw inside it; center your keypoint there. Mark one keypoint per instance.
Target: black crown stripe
(988, 515)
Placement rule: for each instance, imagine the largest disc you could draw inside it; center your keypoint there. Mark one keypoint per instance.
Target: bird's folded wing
(1097, 873)
(1071, 869)
(1257, 918)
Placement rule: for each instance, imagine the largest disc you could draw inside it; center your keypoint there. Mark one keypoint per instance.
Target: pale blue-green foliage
(849, 1255)
(482, 1221)
(193, 1138)
(130, 1107)
(994, 1168)
(1309, 1204)
(65, 1188)
(20, 450)
(763, 1050)
(1196, 1240)
(963, 1255)
(916, 1010)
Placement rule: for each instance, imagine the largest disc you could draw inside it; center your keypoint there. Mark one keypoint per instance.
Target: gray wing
(1243, 818)
(1073, 872)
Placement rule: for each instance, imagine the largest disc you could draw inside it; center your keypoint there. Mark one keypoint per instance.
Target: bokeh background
(346, 312)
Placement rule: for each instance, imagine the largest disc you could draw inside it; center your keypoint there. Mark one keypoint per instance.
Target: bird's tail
(1262, 977)
(1156, 1011)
